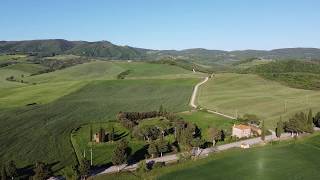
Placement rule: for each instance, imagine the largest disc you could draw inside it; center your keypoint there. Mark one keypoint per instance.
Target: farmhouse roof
(242, 127)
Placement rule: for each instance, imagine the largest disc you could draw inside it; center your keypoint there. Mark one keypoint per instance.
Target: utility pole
(84, 153)
(91, 156)
(236, 114)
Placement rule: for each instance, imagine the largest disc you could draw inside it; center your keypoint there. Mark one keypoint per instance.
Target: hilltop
(106, 49)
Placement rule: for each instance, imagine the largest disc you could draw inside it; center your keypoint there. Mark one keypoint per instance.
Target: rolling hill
(111, 51)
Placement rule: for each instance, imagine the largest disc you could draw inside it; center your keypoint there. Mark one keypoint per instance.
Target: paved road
(195, 91)
(202, 152)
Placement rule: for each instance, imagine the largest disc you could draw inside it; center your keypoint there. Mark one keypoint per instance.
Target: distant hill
(297, 74)
(111, 51)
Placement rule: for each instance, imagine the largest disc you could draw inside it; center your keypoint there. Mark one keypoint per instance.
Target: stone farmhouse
(242, 131)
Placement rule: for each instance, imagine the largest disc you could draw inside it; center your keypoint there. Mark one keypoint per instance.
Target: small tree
(162, 146)
(42, 171)
(263, 131)
(152, 149)
(214, 134)
(196, 142)
(12, 171)
(112, 135)
(310, 117)
(120, 153)
(84, 168)
(316, 120)
(279, 129)
(3, 173)
(142, 168)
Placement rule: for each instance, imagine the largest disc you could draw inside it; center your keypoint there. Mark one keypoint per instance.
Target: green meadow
(68, 98)
(247, 93)
(205, 120)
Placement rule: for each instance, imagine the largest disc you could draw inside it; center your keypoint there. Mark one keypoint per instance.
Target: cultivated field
(245, 93)
(65, 99)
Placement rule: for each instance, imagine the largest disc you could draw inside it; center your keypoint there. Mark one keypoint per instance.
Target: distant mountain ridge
(111, 51)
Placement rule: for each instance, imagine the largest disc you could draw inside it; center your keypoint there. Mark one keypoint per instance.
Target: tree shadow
(26, 172)
(120, 136)
(138, 155)
(101, 168)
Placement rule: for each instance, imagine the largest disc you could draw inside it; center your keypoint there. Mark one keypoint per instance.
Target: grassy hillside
(149, 70)
(247, 93)
(42, 132)
(298, 74)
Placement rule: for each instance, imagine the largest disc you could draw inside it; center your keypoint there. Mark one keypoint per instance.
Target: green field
(205, 120)
(252, 94)
(102, 152)
(295, 159)
(77, 95)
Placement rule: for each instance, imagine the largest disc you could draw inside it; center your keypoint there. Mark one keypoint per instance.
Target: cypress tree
(310, 117)
(279, 129)
(3, 173)
(12, 171)
(263, 133)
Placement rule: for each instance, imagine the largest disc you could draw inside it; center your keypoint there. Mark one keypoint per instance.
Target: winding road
(194, 96)
(195, 91)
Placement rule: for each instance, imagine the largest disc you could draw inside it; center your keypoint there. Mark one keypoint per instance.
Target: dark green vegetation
(297, 74)
(148, 134)
(295, 159)
(108, 50)
(206, 120)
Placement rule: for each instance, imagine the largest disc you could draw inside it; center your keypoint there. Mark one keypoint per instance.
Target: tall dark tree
(42, 171)
(84, 168)
(316, 119)
(279, 129)
(3, 173)
(91, 133)
(112, 135)
(310, 117)
(76, 173)
(263, 131)
(162, 146)
(12, 171)
(153, 149)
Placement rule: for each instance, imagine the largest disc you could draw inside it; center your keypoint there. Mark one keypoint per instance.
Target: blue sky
(167, 24)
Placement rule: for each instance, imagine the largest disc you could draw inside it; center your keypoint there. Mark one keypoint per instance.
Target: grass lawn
(102, 152)
(286, 160)
(249, 93)
(205, 120)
